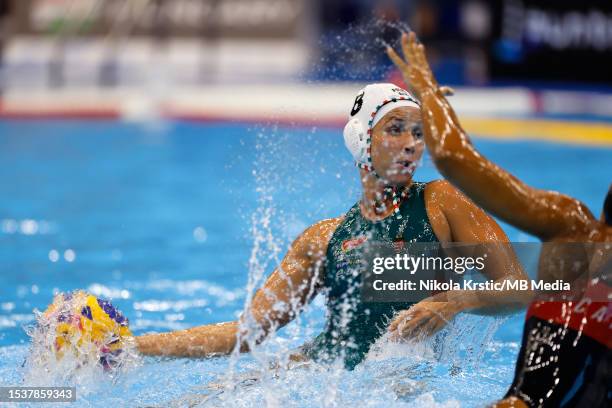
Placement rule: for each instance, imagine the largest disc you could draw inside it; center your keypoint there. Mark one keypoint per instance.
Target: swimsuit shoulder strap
(414, 211)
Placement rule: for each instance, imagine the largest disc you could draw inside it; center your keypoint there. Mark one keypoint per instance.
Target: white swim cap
(371, 104)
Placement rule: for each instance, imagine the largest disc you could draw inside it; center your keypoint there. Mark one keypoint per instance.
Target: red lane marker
(115, 114)
(110, 114)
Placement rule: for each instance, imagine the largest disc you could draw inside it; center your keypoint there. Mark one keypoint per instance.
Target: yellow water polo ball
(85, 323)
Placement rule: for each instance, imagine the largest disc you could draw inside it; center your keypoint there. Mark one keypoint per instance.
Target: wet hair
(607, 208)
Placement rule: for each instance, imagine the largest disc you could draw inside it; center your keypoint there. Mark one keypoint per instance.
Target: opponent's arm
(544, 214)
(282, 296)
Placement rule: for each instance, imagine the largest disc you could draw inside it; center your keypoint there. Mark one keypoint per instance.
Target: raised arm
(282, 296)
(542, 213)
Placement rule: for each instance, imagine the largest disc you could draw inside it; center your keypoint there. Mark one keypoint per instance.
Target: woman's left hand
(422, 320)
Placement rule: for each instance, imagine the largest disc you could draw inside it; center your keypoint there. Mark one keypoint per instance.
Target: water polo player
(384, 136)
(565, 358)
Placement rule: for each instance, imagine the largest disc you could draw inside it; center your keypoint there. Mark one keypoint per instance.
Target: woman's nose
(410, 149)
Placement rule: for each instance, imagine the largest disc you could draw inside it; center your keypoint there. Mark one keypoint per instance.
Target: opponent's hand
(414, 67)
(422, 320)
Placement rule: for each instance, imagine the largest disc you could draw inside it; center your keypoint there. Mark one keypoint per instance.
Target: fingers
(413, 48)
(418, 56)
(426, 327)
(408, 328)
(400, 318)
(406, 45)
(432, 327)
(447, 91)
(414, 53)
(394, 336)
(421, 58)
(393, 326)
(396, 59)
(416, 324)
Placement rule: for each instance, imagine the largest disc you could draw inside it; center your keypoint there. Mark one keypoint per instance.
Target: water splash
(357, 52)
(404, 374)
(73, 344)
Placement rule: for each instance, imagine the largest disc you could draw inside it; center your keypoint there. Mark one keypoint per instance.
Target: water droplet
(199, 234)
(54, 255)
(28, 227)
(69, 255)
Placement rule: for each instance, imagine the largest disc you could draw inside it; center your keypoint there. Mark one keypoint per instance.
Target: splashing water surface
(173, 231)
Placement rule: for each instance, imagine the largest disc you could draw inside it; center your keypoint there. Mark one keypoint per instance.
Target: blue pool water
(163, 222)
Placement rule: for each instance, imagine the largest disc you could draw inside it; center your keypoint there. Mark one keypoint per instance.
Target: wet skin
(549, 215)
(397, 146)
(553, 217)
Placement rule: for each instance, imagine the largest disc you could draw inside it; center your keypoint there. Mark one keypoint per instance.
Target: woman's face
(398, 145)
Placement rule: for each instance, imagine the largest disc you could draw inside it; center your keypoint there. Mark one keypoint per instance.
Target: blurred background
(138, 57)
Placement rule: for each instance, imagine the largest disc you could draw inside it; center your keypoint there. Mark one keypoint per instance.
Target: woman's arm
(542, 213)
(282, 296)
(456, 219)
(467, 223)
(202, 341)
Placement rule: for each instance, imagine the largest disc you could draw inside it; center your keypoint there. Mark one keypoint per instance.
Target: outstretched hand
(421, 320)
(414, 67)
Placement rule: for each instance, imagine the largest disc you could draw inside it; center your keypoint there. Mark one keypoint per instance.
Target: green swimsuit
(352, 324)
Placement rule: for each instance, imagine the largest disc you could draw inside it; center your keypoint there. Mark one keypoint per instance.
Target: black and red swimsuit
(565, 358)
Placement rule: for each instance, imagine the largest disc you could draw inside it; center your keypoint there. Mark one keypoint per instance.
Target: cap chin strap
(369, 167)
(397, 196)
